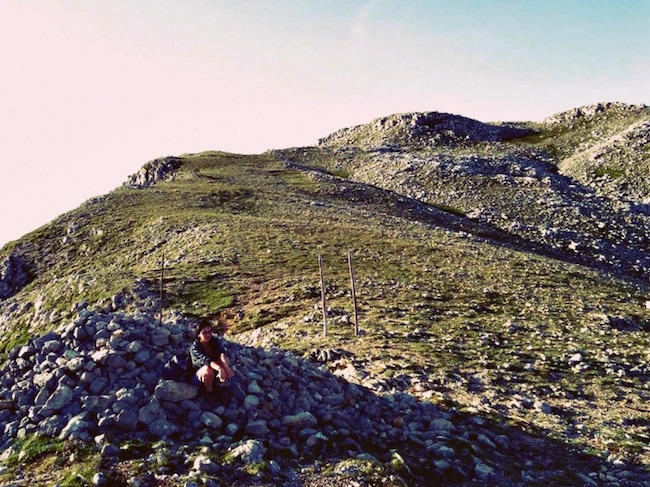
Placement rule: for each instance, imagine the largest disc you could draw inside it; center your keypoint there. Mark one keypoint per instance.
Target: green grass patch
(339, 173)
(52, 460)
(298, 180)
(200, 298)
(612, 172)
(450, 209)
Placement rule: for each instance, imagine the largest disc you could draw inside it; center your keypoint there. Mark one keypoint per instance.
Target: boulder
(75, 427)
(249, 452)
(162, 428)
(257, 428)
(300, 421)
(172, 391)
(59, 399)
(127, 420)
(211, 420)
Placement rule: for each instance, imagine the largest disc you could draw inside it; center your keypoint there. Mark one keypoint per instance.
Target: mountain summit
(501, 276)
(421, 130)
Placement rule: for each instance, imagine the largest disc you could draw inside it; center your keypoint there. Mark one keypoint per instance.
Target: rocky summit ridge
(420, 130)
(503, 301)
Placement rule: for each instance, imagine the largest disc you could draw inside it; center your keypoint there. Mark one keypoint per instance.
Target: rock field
(98, 380)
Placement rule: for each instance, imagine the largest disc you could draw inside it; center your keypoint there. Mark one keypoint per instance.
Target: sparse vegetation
(486, 325)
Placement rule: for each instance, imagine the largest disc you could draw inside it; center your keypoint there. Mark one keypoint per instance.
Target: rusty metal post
(162, 288)
(322, 290)
(354, 294)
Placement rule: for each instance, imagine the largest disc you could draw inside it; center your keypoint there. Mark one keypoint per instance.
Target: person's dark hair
(202, 323)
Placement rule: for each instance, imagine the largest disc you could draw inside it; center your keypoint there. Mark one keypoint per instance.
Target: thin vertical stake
(162, 289)
(322, 291)
(354, 294)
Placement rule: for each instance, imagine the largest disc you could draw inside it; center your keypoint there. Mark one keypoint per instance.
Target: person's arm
(225, 372)
(199, 358)
(222, 364)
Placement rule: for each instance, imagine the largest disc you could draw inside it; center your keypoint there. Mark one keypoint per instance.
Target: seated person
(208, 357)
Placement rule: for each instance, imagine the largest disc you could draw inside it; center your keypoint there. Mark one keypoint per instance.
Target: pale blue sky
(93, 90)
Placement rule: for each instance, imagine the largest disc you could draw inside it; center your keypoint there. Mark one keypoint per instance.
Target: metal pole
(162, 289)
(322, 290)
(354, 294)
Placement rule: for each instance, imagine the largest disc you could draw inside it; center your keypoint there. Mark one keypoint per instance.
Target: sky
(90, 91)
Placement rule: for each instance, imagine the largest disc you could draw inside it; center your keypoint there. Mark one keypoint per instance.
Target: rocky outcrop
(14, 275)
(98, 379)
(426, 129)
(153, 172)
(589, 112)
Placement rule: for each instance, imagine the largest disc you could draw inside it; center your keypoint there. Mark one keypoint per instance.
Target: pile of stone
(98, 379)
(101, 375)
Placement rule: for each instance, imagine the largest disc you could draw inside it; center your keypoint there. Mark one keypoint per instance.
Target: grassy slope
(242, 233)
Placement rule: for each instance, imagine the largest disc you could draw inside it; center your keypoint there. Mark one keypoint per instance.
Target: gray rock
(127, 420)
(40, 341)
(75, 364)
(110, 450)
(162, 428)
(169, 390)
(254, 389)
(300, 421)
(543, 407)
(576, 358)
(249, 452)
(133, 347)
(587, 480)
(26, 351)
(211, 420)
(153, 172)
(151, 412)
(44, 380)
(75, 426)
(334, 399)
(483, 472)
(59, 399)
(257, 428)
(442, 465)
(442, 426)
(98, 385)
(115, 361)
(52, 346)
(251, 403)
(50, 426)
(80, 333)
(203, 464)
(160, 340)
(42, 397)
(99, 479)
(142, 356)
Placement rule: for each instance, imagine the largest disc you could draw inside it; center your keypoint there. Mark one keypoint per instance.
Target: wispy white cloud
(361, 27)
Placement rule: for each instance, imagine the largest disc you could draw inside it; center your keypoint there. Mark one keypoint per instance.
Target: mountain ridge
(497, 293)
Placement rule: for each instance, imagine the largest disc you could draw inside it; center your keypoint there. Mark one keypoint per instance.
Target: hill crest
(420, 130)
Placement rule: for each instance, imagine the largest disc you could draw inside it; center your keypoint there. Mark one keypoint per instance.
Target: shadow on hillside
(402, 206)
(431, 215)
(436, 444)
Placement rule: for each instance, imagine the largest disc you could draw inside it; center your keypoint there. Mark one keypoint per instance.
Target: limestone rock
(169, 390)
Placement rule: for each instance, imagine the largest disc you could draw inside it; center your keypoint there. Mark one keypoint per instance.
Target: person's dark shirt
(200, 356)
